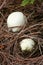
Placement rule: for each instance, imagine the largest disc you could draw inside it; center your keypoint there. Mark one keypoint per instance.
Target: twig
(33, 51)
(2, 16)
(39, 46)
(2, 4)
(30, 15)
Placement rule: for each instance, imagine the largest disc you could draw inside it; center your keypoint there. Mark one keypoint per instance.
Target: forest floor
(9, 51)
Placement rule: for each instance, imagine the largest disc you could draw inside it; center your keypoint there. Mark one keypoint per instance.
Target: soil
(10, 52)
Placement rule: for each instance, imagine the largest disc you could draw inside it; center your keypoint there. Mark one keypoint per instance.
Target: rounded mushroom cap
(27, 44)
(16, 19)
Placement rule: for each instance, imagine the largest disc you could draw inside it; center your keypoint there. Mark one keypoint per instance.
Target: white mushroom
(27, 44)
(16, 19)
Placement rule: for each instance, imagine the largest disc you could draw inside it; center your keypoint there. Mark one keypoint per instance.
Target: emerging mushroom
(16, 20)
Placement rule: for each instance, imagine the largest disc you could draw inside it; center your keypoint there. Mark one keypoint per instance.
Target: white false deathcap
(27, 44)
(16, 19)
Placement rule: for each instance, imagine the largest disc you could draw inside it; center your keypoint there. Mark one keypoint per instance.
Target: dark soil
(10, 52)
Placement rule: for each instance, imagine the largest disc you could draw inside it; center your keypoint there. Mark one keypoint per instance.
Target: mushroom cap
(16, 19)
(27, 44)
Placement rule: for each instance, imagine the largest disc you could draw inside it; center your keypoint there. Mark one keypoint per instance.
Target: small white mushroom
(27, 44)
(16, 19)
